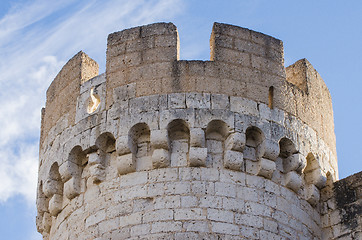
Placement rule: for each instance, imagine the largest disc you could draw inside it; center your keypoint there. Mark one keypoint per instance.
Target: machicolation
(238, 147)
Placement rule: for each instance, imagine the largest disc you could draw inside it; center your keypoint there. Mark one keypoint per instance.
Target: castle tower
(238, 147)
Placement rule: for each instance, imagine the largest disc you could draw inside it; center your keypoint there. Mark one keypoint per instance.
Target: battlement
(177, 137)
(243, 63)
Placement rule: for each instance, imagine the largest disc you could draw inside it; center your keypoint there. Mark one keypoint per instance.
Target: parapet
(62, 94)
(243, 63)
(312, 97)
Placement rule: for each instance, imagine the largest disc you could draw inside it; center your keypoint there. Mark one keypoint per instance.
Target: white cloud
(25, 14)
(32, 51)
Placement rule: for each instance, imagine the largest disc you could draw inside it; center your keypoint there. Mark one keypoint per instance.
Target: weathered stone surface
(233, 160)
(198, 157)
(312, 194)
(267, 168)
(295, 162)
(293, 181)
(55, 204)
(236, 142)
(72, 187)
(191, 149)
(126, 164)
(160, 158)
(122, 146)
(197, 137)
(159, 138)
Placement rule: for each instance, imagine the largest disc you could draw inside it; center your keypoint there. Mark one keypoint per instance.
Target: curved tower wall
(157, 147)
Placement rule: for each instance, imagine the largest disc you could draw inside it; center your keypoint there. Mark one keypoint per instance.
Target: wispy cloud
(36, 39)
(25, 14)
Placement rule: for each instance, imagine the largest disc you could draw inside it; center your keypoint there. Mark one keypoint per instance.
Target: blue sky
(37, 37)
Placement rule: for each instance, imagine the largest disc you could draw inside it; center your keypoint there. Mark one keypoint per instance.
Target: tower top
(162, 147)
(243, 63)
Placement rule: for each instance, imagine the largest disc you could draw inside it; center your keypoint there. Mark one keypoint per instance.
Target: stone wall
(162, 148)
(342, 210)
(63, 92)
(207, 164)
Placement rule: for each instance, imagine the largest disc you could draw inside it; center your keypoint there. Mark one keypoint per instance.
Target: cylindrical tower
(237, 147)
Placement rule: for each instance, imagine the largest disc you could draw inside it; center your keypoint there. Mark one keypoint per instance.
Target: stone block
(266, 168)
(251, 167)
(52, 187)
(42, 204)
(209, 174)
(267, 65)
(202, 188)
(197, 100)
(233, 204)
(55, 204)
(316, 177)
(178, 188)
(135, 178)
(197, 137)
(122, 146)
(189, 201)
(124, 93)
(197, 157)
(68, 169)
(72, 187)
(194, 226)
(312, 194)
(233, 160)
(295, 162)
(188, 115)
(126, 164)
(220, 101)
(39, 223)
(97, 173)
(179, 157)
(177, 100)
(189, 214)
(94, 158)
(204, 116)
(250, 154)
(47, 222)
(143, 163)
(108, 225)
(139, 230)
(258, 209)
(248, 220)
(157, 215)
(160, 158)
(232, 56)
(225, 189)
(163, 175)
(271, 149)
(244, 106)
(220, 215)
(215, 146)
(293, 181)
(159, 139)
(151, 118)
(211, 202)
(95, 218)
(143, 104)
(169, 226)
(167, 202)
(225, 228)
(235, 141)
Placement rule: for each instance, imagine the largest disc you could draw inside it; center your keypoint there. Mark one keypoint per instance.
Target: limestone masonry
(238, 147)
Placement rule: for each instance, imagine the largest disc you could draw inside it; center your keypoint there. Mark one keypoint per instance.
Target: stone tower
(238, 147)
